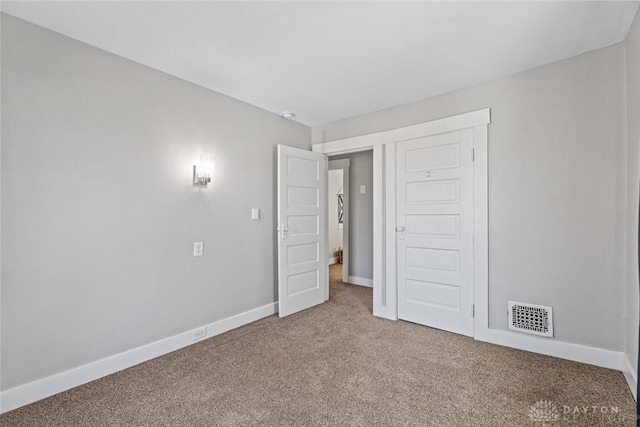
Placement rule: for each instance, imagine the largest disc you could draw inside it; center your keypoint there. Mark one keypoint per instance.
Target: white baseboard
(631, 375)
(361, 281)
(333, 260)
(28, 393)
(563, 350)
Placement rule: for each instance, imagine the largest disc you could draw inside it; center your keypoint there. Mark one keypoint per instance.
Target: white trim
(39, 389)
(386, 298)
(563, 350)
(363, 142)
(346, 221)
(480, 230)
(325, 237)
(630, 374)
(378, 217)
(378, 206)
(333, 260)
(631, 382)
(361, 281)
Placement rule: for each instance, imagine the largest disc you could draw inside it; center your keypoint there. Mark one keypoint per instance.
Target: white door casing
(302, 257)
(434, 217)
(385, 290)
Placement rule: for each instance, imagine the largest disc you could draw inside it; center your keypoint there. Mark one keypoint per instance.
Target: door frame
(343, 165)
(385, 287)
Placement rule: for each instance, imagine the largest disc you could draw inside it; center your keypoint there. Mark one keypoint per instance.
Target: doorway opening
(350, 218)
(337, 198)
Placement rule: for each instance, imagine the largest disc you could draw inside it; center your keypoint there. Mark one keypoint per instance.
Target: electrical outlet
(200, 334)
(198, 248)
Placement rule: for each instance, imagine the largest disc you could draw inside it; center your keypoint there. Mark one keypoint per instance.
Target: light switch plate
(363, 189)
(198, 248)
(255, 213)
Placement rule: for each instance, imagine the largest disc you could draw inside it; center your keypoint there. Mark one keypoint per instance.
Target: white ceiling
(331, 60)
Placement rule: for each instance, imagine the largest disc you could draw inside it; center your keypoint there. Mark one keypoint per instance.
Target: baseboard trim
(333, 260)
(36, 390)
(563, 350)
(361, 281)
(631, 375)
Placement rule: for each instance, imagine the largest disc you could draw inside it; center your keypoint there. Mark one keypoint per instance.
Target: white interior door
(302, 206)
(435, 231)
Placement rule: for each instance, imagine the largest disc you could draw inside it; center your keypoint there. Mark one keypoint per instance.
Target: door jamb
(384, 245)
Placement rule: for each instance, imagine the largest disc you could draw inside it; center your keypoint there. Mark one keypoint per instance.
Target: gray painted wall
(632, 50)
(99, 214)
(556, 174)
(360, 214)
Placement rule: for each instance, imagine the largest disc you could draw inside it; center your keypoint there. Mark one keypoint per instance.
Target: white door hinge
(473, 154)
(473, 310)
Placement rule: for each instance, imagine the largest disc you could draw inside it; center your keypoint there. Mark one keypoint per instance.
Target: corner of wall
(631, 135)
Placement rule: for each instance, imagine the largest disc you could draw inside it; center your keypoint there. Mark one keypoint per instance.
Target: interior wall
(99, 214)
(556, 170)
(632, 51)
(335, 230)
(360, 214)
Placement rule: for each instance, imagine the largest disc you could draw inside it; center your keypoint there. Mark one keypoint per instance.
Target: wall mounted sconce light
(203, 170)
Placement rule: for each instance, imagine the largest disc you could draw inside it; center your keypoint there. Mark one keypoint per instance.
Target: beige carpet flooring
(338, 365)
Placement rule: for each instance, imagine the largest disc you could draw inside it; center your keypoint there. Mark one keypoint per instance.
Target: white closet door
(435, 231)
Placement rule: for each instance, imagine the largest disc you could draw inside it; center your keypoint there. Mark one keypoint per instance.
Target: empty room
(319, 213)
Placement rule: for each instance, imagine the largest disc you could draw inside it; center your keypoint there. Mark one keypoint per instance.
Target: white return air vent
(531, 318)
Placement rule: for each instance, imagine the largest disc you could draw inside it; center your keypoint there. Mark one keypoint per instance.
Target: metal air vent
(531, 318)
